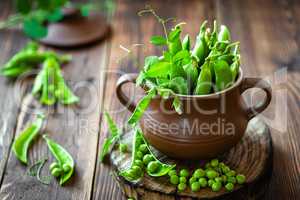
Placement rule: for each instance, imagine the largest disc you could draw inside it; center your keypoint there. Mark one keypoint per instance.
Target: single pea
(225, 169)
(147, 158)
(195, 186)
(203, 182)
(66, 168)
(207, 166)
(137, 170)
(54, 165)
(216, 186)
(240, 178)
(181, 186)
(123, 148)
(214, 162)
(231, 179)
(172, 172)
(229, 187)
(139, 155)
(131, 173)
(174, 179)
(199, 173)
(210, 182)
(192, 180)
(219, 179)
(153, 166)
(231, 173)
(224, 178)
(143, 148)
(184, 173)
(211, 174)
(139, 163)
(182, 180)
(56, 172)
(222, 164)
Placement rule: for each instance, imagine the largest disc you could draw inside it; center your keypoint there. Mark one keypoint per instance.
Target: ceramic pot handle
(123, 98)
(257, 83)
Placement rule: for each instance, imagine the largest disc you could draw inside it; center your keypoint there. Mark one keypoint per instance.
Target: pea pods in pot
(173, 134)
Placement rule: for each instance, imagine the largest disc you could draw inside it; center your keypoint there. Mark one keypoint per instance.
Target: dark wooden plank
(10, 42)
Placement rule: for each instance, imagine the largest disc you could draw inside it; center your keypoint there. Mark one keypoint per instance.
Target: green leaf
(158, 40)
(183, 54)
(34, 29)
(174, 33)
(24, 6)
(55, 15)
(178, 85)
(149, 61)
(160, 69)
(141, 107)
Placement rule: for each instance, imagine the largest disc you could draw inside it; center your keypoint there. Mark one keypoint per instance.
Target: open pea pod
(63, 157)
(23, 141)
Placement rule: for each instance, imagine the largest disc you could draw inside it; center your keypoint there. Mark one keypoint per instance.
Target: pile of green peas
(214, 175)
(57, 170)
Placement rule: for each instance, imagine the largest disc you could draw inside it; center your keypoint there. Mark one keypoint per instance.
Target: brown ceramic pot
(209, 125)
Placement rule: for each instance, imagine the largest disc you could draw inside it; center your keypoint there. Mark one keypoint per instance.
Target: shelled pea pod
(200, 49)
(223, 75)
(204, 82)
(144, 159)
(186, 43)
(23, 141)
(50, 85)
(64, 167)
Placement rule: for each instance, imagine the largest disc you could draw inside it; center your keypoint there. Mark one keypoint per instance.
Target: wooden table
(269, 35)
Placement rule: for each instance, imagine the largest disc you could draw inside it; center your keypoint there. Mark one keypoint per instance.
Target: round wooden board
(251, 157)
(76, 31)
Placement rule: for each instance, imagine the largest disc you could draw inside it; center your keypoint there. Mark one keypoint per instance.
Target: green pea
(66, 168)
(139, 163)
(137, 171)
(147, 158)
(224, 178)
(192, 180)
(143, 148)
(199, 173)
(216, 186)
(219, 179)
(203, 182)
(231, 179)
(195, 186)
(210, 182)
(153, 166)
(184, 173)
(123, 148)
(229, 187)
(222, 164)
(211, 174)
(174, 179)
(182, 180)
(54, 165)
(56, 172)
(214, 162)
(181, 186)
(172, 172)
(139, 155)
(240, 179)
(207, 166)
(231, 173)
(225, 169)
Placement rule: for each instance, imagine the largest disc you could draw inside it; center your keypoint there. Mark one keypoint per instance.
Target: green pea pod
(163, 168)
(223, 75)
(174, 42)
(224, 34)
(227, 57)
(31, 46)
(214, 35)
(16, 71)
(48, 82)
(200, 50)
(191, 72)
(23, 141)
(186, 43)
(234, 68)
(204, 82)
(63, 157)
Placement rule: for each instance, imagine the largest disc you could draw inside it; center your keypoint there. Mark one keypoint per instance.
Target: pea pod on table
(64, 167)
(23, 141)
